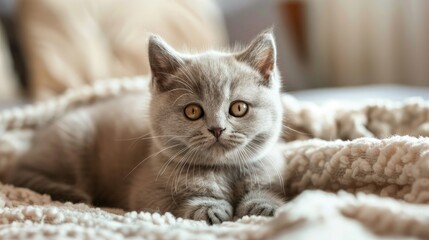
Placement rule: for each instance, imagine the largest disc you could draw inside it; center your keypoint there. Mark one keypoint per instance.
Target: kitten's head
(215, 108)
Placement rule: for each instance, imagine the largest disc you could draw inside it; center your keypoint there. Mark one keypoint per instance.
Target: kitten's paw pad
(213, 211)
(258, 207)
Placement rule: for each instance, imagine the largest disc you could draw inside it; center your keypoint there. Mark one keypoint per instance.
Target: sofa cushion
(71, 43)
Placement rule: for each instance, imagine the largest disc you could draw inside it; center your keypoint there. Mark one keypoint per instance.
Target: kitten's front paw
(256, 207)
(211, 210)
(258, 204)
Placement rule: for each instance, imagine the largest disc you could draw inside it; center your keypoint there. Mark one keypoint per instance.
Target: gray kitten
(201, 145)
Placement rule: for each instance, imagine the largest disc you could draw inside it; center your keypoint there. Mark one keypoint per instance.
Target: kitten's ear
(261, 55)
(164, 61)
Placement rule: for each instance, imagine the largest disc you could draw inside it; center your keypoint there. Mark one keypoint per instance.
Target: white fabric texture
(373, 184)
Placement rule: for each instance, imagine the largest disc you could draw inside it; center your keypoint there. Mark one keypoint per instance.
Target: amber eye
(238, 109)
(193, 111)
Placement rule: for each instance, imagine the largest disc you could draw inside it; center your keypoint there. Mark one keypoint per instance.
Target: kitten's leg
(40, 183)
(211, 210)
(258, 202)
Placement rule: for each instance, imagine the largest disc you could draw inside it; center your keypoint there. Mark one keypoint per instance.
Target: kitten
(201, 145)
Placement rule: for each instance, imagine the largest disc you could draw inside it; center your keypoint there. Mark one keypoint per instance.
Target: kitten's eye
(193, 111)
(238, 109)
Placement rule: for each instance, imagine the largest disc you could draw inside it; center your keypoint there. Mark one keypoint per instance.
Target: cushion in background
(8, 83)
(71, 43)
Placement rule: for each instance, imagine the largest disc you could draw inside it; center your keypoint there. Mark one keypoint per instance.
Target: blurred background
(327, 49)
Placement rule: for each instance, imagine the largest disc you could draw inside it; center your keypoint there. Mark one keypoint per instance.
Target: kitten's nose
(216, 131)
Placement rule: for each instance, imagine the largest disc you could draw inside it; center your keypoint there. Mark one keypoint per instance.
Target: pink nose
(216, 131)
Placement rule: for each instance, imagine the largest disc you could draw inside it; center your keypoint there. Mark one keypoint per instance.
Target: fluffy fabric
(382, 177)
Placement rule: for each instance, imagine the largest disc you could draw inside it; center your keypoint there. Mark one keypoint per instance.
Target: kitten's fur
(140, 152)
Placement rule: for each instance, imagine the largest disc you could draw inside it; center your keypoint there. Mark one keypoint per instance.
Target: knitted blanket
(355, 172)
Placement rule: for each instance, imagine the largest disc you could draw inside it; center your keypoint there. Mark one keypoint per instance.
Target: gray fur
(141, 153)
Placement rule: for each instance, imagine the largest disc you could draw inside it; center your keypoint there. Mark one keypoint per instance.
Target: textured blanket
(355, 172)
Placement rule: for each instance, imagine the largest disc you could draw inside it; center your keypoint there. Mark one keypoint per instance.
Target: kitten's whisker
(133, 138)
(240, 157)
(180, 80)
(189, 165)
(251, 167)
(184, 81)
(170, 160)
(137, 139)
(131, 147)
(296, 131)
(187, 74)
(193, 165)
(177, 99)
(165, 165)
(181, 89)
(180, 166)
(279, 175)
(145, 138)
(164, 149)
(171, 139)
(195, 139)
(255, 147)
(176, 172)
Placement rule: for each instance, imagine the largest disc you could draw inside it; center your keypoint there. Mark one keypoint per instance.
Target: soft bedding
(353, 171)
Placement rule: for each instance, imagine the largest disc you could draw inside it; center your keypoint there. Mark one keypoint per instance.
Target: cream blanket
(375, 181)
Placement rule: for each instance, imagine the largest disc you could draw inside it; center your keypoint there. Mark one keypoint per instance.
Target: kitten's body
(91, 149)
(139, 152)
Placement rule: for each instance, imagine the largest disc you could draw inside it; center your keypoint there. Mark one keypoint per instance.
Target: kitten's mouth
(221, 145)
(218, 144)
